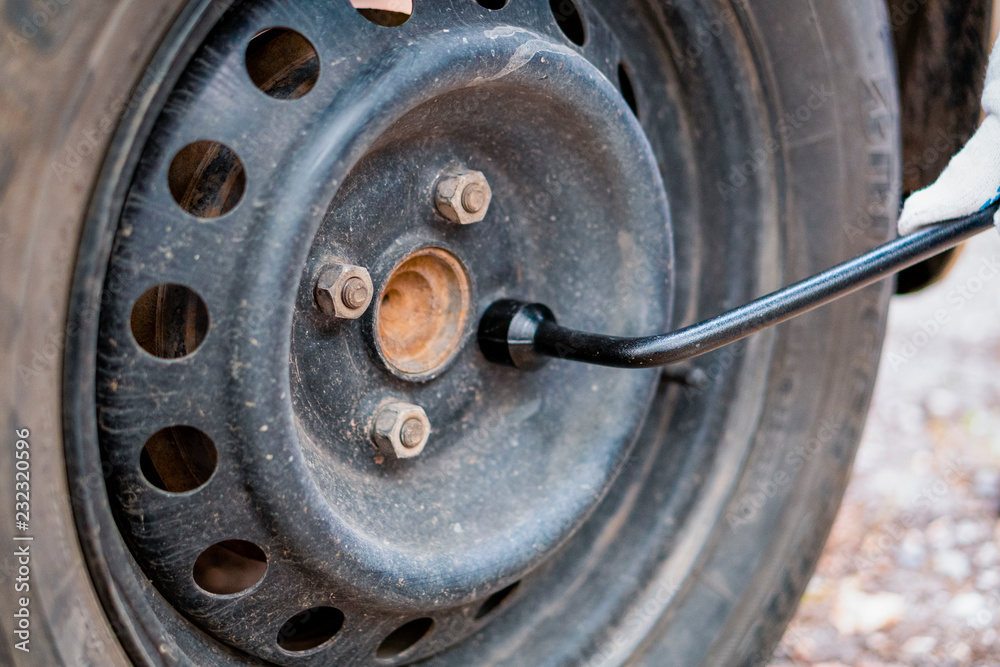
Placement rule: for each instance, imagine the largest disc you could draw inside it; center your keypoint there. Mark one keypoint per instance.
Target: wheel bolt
(412, 433)
(401, 430)
(344, 291)
(463, 196)
(473, 198)
(356, 293)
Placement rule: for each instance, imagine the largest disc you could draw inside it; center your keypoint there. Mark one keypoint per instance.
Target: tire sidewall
(832, 74)
(70, 70)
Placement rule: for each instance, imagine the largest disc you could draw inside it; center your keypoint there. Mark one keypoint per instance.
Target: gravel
(911, 573)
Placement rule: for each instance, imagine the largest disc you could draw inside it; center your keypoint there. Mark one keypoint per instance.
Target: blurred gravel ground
(911, 574)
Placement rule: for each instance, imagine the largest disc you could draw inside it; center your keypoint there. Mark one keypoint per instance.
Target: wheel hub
(422, 314)
(400, 558)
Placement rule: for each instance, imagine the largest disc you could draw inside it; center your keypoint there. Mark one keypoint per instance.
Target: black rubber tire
(66, 70)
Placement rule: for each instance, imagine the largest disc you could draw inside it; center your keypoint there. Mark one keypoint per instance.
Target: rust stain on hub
(423, 312)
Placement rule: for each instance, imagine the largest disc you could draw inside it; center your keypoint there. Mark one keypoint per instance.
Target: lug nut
(401, 430)
(463, 196)
(344, 291)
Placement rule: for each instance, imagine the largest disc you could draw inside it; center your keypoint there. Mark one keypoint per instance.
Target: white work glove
(971, 182)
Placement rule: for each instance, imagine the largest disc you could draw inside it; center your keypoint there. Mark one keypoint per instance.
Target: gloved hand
(971, 182)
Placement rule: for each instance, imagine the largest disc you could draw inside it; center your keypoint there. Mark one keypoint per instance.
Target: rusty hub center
(423, 312)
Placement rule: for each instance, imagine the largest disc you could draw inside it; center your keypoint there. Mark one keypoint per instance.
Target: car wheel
(245, 247)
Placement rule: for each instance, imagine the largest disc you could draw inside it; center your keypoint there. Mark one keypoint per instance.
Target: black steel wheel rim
(138, 395)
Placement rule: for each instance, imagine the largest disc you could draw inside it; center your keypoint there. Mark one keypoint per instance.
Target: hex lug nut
(344, 291)
(401, 430)
(463, 196)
